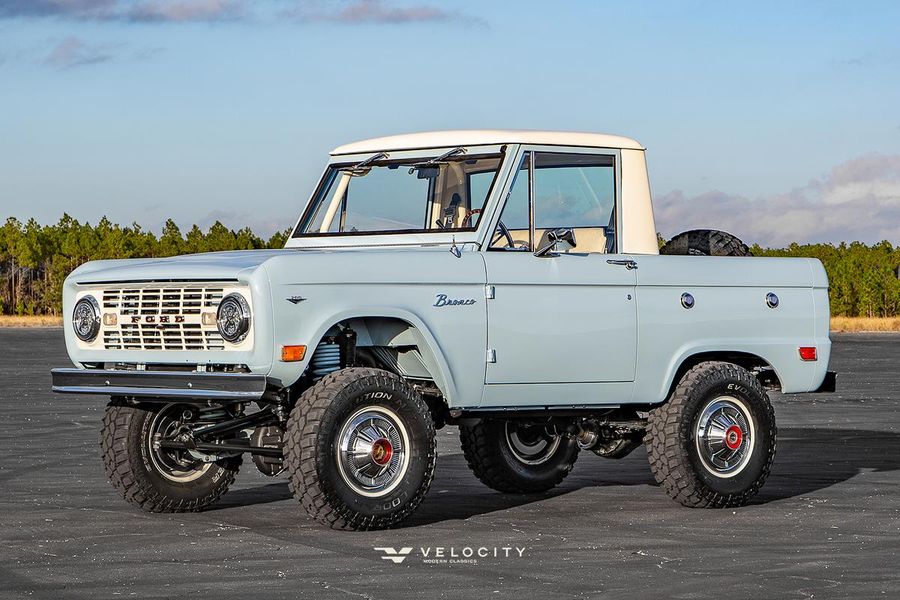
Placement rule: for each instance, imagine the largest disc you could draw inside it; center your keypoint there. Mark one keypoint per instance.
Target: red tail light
(808, 353)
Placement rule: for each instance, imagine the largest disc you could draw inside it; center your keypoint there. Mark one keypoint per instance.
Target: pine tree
(35, 260)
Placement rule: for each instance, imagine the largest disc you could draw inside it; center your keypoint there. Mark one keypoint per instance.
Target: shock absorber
(326, 359)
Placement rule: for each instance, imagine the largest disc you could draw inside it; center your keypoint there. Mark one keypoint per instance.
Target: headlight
(233, 318)
(86, 319)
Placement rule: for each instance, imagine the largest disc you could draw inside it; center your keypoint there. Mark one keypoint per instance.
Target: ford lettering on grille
(162, 317)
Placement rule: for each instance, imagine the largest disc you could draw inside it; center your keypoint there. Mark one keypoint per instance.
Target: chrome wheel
(174, 465)
(725, 436)
(531, 445)
(373, 451)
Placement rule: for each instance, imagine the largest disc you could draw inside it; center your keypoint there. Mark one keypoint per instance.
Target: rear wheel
(360, 449)
(712, 443)
(517, 458)
(154, 478)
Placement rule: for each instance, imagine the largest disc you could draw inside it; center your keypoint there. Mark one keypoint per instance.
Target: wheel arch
(747, 360)
(392, 328)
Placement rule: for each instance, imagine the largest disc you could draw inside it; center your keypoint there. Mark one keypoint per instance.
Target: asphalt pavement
(826, 525)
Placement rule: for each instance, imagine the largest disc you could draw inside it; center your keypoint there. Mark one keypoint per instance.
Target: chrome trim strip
(156, 393)
(160, 384)
(115, 282)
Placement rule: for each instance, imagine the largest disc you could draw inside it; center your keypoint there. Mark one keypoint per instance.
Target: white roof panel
(479, 137)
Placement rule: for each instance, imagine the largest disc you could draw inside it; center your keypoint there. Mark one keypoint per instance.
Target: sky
(776, 121)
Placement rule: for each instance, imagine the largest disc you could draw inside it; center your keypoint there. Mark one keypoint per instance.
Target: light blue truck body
(498, 330)
(563, 329)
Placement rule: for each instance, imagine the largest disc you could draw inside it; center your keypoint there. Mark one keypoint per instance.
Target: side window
(571, 191)
(576, 191)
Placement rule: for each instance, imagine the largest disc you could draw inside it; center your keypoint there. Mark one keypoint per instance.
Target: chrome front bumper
(182, 385)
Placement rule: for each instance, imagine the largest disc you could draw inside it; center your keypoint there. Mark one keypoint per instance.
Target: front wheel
(153, 478)
(712, 443)
(360, 449)
(517, 457)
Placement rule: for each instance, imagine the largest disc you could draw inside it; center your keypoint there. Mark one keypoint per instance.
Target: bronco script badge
(443, 300)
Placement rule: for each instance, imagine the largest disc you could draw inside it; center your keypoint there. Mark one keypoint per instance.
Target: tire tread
(668, 431)
(708, 242)
(302, 430)
(115, 450)
(479, 447)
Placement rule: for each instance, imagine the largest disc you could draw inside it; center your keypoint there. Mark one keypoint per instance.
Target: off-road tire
(670, 441)
(124, 448)
(310, 449)
(705, 242)
(490, 458)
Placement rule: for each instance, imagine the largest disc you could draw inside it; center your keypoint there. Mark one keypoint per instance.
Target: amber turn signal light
(808, 353)
(292, 353)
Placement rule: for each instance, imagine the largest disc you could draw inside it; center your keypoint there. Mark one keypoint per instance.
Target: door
(566, 319)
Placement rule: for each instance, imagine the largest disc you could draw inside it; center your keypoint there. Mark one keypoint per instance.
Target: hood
(239, 264)
(217, 266)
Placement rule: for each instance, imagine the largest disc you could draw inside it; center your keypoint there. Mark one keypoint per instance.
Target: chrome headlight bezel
(86, 312)
(235, 325)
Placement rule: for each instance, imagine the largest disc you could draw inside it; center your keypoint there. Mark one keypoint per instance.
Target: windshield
(441, 193)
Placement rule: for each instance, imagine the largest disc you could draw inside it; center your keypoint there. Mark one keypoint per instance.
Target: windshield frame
(299, 238)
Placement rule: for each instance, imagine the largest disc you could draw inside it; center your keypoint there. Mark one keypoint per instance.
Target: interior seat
(589, 239)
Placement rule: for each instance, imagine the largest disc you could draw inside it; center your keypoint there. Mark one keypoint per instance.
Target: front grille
(162, 317)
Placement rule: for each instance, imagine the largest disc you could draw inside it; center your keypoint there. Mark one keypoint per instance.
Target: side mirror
(553, 238)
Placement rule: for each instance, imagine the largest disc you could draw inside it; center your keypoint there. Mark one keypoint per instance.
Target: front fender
(285, 374)
(327, 288)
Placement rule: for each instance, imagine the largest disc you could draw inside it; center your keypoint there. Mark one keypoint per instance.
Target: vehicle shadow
(456, 494)
(251, 496)
(807, 460)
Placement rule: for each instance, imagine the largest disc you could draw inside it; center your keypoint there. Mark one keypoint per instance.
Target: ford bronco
(509, 283)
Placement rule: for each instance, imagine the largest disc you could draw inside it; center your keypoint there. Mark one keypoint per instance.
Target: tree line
(863, 279)
(35, 260)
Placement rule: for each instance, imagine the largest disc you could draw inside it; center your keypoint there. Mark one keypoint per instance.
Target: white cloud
(170, 11)
(72, 52)
(211, 11)
(376, 12)
(185, 11)
(856, 200)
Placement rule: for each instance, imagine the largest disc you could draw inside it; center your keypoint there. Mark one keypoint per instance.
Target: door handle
(627, 263)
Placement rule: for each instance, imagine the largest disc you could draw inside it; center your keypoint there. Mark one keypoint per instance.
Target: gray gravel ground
(826, 525)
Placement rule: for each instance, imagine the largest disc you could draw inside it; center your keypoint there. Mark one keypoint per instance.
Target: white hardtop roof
(479, 137)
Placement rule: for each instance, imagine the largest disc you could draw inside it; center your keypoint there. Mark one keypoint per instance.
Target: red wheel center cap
(733, 437)
(382, 451)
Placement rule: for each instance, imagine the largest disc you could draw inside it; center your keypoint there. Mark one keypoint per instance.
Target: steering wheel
(504, 232)
(469, 213)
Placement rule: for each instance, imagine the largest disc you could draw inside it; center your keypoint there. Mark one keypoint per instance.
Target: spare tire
(706, 242)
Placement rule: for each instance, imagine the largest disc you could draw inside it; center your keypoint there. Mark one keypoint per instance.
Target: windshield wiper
(359, 167)
(433, 161)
